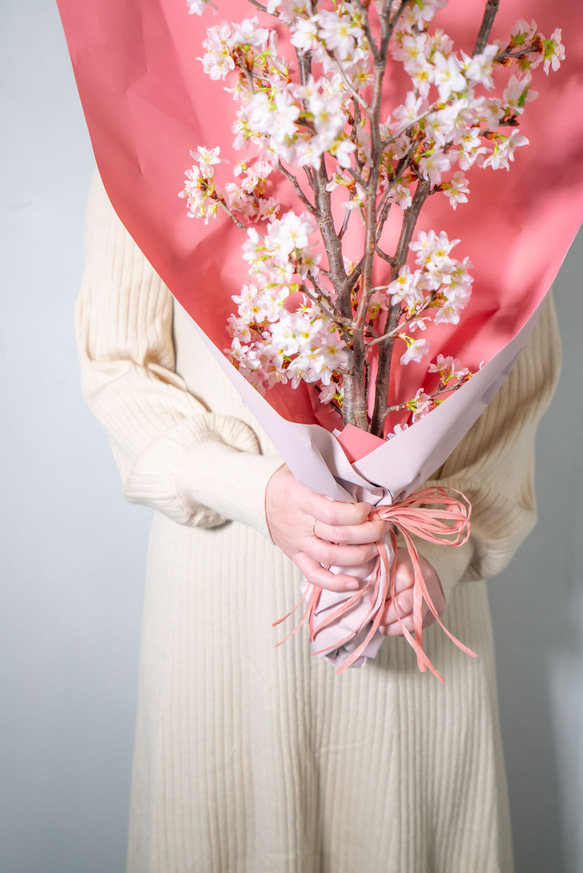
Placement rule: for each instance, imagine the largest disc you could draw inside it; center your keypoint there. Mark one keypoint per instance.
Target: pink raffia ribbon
(437, 515)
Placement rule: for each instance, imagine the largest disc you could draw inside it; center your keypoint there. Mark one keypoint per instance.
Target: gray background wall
(73, 553)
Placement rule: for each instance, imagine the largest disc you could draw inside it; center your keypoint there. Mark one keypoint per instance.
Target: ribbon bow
(436, 516)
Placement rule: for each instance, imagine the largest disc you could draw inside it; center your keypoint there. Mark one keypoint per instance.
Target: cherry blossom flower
(206, 159)
(478, 69)
(554, 51)
(413, 107)
(339, 32)
(399, 428)
(401, 194)
(448, 368)
(504, 149)
(330, 391)
(218, 62)
(406, 287)
(305, 34)
(448, 76)
(197, 7)
(432, 249)
(434, 164)
(420, 405)
(416, 349)
(412, 51)
(518, 93)
(288, 10)
(456, 189)
(523, 32)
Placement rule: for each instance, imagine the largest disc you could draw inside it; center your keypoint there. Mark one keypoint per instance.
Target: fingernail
(352, 586)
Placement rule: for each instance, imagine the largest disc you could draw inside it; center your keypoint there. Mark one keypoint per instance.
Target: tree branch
(487, 21)
(259, 6)
(386, 347)
(290, 176)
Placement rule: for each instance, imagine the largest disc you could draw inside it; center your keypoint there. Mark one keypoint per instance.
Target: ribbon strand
(437, 515)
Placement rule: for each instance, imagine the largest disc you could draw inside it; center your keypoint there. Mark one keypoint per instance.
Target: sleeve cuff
(230, 482)
(450, 562)
(204, 471)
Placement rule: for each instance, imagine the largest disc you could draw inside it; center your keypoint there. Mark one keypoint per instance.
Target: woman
(256, 759)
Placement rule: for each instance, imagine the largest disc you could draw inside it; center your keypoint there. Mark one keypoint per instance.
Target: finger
(404, 575)
(337, 512)
(396, 630)
(318, 575)
(341, 556)
(351, 534)
(401, 606)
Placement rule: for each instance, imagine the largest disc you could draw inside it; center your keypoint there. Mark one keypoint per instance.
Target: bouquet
(361, 126)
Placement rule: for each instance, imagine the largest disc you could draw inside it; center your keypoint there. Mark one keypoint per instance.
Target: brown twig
(386, 347)
(487, 21)
(291, 178)
(259, 6)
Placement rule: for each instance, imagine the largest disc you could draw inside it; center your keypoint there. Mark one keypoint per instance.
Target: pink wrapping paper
(148, 102)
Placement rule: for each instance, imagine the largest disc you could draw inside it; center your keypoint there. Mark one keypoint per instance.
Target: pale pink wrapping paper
(148, 103)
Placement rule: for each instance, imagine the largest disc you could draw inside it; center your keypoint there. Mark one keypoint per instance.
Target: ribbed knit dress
(256, 759)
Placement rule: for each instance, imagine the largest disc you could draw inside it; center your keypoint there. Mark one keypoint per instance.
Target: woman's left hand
(403, 601)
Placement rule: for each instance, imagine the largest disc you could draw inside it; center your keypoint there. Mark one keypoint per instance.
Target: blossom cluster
(297, 319)
(274, 342)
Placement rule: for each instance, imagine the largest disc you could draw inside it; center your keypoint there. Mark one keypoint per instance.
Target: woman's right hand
(314, 531)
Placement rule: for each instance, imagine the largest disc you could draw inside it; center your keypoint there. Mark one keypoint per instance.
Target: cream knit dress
(252, 759)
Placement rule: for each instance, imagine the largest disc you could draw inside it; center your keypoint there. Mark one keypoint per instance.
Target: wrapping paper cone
(148, 103)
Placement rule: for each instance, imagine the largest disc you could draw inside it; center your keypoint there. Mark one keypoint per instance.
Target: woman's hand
(403, 602)
(313, 530)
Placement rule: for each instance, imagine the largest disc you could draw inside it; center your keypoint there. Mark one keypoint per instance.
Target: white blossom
(305, 34)
(457, 189)
(448, 76)
(434, 164)
(197, 7)
(504, 149)
(449, 368)
(207, 158)
(478, 69)
(339, 33)
(420, 406)
(518, 93)
(218, 62)
(248, 32)
(416, 350)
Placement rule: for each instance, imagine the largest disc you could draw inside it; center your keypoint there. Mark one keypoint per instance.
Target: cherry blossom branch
(425, 305)
(410, 221)
(388, 258)
(292, 125)
(402, 324)
(355, 385)
(349, 212)
(347, 83)
(366, 26)
(447, 389)
(386, 347)
(259, 6)
(318, 182)
(235, 220)
(490, 13)
(318, 299)
(410, 124)
(392, 22)
(298, 189)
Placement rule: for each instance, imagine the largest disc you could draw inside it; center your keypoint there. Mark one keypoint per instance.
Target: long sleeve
(494, 464)
(173, 454)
